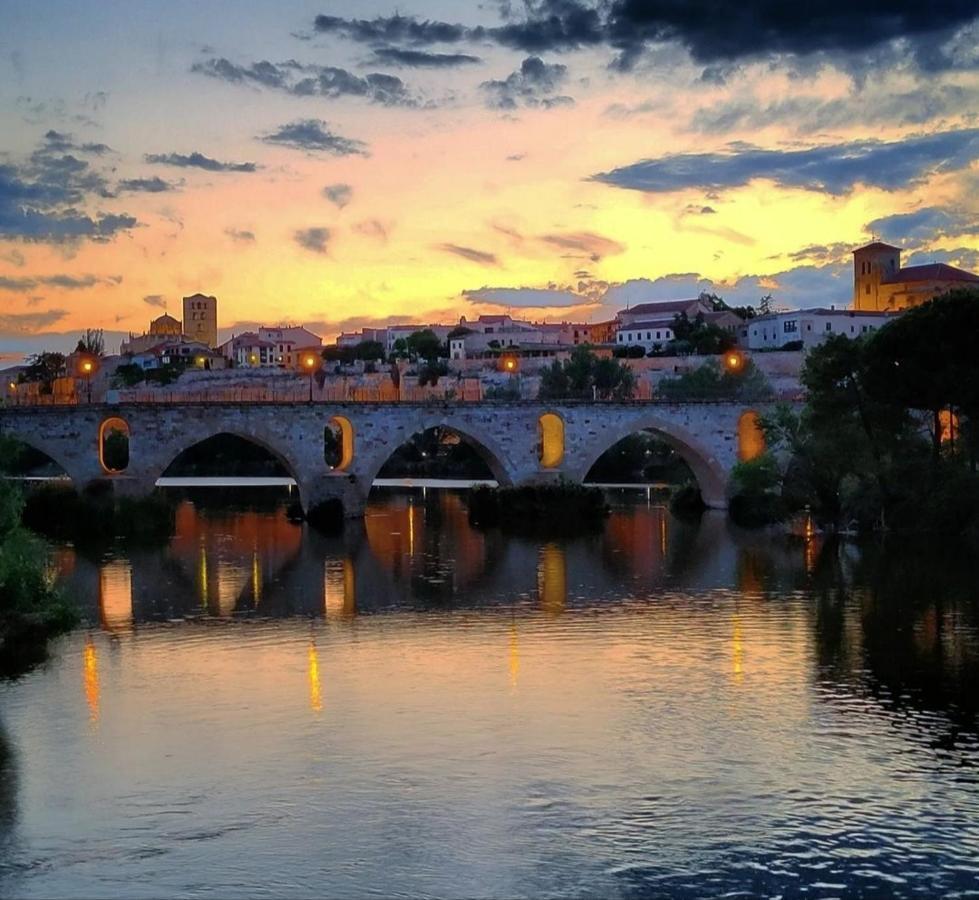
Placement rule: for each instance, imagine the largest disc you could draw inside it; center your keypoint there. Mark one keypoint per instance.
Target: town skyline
(348, 165)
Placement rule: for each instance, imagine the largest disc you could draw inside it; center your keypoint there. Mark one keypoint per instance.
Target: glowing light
(90, 670)
(733, 361)
(751, 439)
(552, 579)
(737, 652)
(551, 429)
(315, 690)
(309, 362)
(87, 367)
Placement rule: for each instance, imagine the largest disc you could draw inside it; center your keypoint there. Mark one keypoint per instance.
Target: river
(417, 708)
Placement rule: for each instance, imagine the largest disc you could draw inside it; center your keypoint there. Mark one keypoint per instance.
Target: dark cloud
(197, 160)
(922, 225)
(240, 236)
(422, 59)
(154, 185)
(157, 300)
(823, 253)
(835, 168)
(714, 32)
(312, 81)
(313, 239)
(41, 199)
(338, 194)
(14, 257)
(476, 256)
(61, 142)
(962, 257)
(593, 246)
(314, 136)
(533, 84)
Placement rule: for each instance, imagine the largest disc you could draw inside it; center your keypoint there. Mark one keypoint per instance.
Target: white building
(286, 339)
(651, 334)
(811, 326)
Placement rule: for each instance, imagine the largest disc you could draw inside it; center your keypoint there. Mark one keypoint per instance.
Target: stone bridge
(522, 442)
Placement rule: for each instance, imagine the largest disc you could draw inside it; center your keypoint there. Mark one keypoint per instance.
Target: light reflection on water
(415, 707)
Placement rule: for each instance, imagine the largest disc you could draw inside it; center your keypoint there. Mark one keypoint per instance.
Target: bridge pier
(343, 486)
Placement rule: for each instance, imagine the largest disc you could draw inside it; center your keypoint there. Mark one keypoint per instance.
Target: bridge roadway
(522, 442)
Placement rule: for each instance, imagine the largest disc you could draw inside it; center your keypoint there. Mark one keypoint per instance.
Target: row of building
(881, 289)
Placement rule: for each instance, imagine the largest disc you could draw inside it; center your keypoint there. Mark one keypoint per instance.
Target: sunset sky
(348, 163)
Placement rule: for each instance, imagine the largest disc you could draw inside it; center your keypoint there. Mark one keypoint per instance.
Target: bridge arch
(114, 457)
(551, 429)
(484, 443)
(711, 475)
(178, 449)
(751, 439)
(51, 449)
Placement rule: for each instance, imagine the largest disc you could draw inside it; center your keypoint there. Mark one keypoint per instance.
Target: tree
(712, 382)
(704, 338)
(927, 360)
(720, 305)
(424, 344)
(93, 342)
(369, 350)
(765, 305)
(584, 377)
(45, 368)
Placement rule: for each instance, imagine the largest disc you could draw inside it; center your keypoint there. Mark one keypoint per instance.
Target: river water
(417, 708)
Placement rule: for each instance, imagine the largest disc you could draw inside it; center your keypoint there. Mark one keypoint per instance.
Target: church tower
(872, 265)
(201, 318)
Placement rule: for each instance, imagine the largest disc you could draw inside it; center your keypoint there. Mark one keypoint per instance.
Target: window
(790, 326)
(649, 336)
(657, 335)
(829, 326)
(852, 329)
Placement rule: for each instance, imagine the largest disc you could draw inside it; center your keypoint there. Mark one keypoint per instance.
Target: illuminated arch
(551, 429)
(345, 455)
(113, 459)
(751, 439)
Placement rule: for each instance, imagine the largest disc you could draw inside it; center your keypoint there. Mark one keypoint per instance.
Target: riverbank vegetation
(559, 508)
(887, 439)
(31, 610)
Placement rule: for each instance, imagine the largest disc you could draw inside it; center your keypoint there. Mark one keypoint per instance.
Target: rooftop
(877, 245)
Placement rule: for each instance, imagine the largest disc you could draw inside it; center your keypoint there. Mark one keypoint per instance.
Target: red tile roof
(660, 306)
(930, 272)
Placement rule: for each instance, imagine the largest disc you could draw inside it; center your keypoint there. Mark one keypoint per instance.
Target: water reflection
(644, 711)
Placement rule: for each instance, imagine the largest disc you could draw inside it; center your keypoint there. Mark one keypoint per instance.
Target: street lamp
(733, 361)
(309, 364)
(88, 366)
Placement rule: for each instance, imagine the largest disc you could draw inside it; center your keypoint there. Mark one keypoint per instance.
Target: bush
(686, 500)
(326, 516)
(755, 493)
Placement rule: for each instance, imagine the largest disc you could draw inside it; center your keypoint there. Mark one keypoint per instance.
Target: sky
(342, 164)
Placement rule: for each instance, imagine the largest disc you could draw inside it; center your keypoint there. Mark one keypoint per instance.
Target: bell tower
(872, 265)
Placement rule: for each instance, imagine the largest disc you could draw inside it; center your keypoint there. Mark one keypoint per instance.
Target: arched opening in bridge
(227, 455)
(643, 457)
(751, 439)
(114, 445)
(338, 444)
(439, 453)
(551, 429)
(19, 459)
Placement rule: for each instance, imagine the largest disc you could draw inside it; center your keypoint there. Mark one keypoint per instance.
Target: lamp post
(87, 368)
(733, 361)
(309, 364)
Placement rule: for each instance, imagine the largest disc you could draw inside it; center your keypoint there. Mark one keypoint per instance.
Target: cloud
(311, 81)
(533, 84)
(14, 257)
(806, 113)
(962, 257)
(476, 256)
(154, 185)
(314, 239)
(422, 59)
(529, 298)
(28, 323)
(314, 136)
(594, 246)
(61, 142)
(835, 168)
(922, 225)
(157, 300)
(62, 282)
(41, 197)
(713, 32)
(240, 235)
(338, 194)
(374, 228)
(197, 160)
